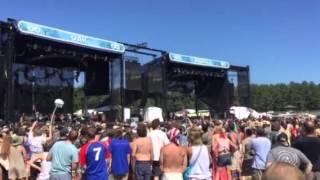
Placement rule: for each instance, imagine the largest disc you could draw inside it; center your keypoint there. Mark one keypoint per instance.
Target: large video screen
(37, 87)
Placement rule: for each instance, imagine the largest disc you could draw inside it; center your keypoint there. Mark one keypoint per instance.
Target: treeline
(79, 100)
(279, 97)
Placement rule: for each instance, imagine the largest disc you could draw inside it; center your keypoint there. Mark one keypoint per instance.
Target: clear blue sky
(278, 39)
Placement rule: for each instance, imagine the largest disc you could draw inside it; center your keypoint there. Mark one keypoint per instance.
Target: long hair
(195, 136)
(5, 147)
(221, 131)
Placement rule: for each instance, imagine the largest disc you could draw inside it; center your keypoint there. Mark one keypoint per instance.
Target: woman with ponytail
(199, 156)
(221, 149)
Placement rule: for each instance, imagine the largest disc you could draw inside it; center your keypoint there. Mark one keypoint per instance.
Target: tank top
(223, 145)
(201, 163)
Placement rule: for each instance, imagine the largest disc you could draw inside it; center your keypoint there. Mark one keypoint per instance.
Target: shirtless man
(142, 154)
(173, 159)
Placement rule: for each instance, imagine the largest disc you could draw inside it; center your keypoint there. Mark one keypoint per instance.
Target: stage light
(77, 75)
(63, 51)
(49, 49)
(35, 46)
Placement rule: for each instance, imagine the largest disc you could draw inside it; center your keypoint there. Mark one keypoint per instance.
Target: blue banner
(29, 28)
(198, 61)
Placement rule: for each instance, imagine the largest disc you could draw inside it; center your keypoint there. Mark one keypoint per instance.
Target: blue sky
(279, 40)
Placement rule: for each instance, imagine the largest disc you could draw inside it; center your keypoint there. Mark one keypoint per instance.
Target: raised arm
(189, 122)
(32, 128)
(50, 133)
(33, 125)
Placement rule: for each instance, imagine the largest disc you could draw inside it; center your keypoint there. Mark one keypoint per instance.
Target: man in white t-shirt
(159, 139)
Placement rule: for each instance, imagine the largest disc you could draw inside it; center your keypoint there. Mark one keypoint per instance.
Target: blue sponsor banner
(29, 28)
(198, 61)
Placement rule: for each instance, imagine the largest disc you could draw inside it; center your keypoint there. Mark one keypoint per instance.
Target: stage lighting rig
(77, 75)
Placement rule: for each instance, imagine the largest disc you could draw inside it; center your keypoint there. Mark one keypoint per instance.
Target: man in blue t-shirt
(64, 156)
(93, 157)
(260, 146)
(120, 153)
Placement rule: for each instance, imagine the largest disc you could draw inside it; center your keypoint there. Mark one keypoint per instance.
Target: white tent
(80, 112)
(241, 112)
(152, 113)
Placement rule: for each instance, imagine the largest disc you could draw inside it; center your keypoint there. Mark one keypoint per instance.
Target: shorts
(257, 174)
(118, 177)
(247, 167)
(156, 171)
(235, 161)
(170, 176)
(60, 176)
(143, 170)
(235, 174)
(224, 160)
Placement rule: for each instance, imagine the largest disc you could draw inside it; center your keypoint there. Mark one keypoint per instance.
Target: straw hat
(17, 140)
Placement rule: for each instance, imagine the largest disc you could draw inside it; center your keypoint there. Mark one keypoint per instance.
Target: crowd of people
(198, 149)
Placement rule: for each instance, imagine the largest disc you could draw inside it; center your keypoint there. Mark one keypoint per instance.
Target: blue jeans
(143, 170)
(60, 176)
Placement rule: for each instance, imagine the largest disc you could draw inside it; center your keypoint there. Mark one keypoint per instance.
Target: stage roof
(55, 34)
(192, 60)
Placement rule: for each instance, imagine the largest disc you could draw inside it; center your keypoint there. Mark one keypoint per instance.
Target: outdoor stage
(39, 64)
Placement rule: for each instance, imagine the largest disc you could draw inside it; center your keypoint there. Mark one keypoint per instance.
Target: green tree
(304, 96)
